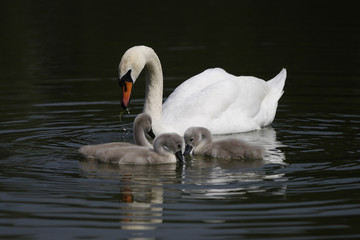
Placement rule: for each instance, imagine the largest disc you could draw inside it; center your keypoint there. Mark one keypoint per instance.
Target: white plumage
(214, 99)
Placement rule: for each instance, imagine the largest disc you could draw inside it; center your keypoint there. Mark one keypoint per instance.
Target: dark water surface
(58, 70)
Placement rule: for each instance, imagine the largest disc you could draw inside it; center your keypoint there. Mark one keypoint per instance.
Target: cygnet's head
(195, 136)
(192, 136)
(143, 121)
(171, 142)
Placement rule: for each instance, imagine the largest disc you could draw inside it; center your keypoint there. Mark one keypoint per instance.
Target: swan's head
(143, 121)
(130, 67)
(194, 137)
(171, 142)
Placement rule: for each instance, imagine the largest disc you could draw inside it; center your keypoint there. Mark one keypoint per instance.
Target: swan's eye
(179, 146)
(191, 139)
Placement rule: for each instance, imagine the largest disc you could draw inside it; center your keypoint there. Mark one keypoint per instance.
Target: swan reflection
(222, 179)
(265, 137)
(141, 192)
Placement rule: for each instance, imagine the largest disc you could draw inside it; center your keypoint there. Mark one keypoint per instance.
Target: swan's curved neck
(154, 88)
(140, 58)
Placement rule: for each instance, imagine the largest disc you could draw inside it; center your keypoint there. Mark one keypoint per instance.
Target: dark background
(47, 39)
(58, 91)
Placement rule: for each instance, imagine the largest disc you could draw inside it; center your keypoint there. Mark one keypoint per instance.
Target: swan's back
(197, 83)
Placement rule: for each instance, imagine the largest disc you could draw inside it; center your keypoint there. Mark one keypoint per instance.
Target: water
(59, 91)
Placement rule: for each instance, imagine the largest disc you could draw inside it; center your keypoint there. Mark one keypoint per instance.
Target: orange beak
(126, 94)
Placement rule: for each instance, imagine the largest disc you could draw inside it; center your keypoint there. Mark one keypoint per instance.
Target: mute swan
(214, 99)
(141, 126)
(167, 148)
(199, 141)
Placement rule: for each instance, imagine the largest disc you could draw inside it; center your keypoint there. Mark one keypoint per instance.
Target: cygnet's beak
(151, 134)
(180, 156)
(188, 149)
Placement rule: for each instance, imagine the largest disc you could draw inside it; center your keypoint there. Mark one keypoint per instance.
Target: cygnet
(142, 126)
(167, 148)
(199, 141)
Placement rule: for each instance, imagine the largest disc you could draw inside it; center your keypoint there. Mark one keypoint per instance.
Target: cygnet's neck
(206, 137)
(159, 145)
(140, 138)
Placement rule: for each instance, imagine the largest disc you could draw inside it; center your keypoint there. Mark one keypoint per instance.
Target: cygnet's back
(141, 127)
(167, 148)
(199, 141)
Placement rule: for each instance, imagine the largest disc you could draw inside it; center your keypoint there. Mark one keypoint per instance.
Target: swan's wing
(197, 83)
(219, 103)
(248, 94)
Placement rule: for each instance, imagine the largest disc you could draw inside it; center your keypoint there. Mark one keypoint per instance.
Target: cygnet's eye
(179, 146)
(191, 139)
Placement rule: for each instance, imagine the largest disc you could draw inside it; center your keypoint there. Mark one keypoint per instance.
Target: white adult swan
(142, 126)
(214, 99)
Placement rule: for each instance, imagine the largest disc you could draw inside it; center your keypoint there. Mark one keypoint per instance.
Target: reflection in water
(141, 191)
(141, 211)
(265, 137)
(236, 181)
(221, 179)
(142, 187)
(59, 91)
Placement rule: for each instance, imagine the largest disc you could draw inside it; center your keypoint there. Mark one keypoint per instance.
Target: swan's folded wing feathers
(193, 111)
(229, 103)
(201, 81)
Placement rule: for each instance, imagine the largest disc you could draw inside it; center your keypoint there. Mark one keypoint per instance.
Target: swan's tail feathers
(277, 83)
(269, 105)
